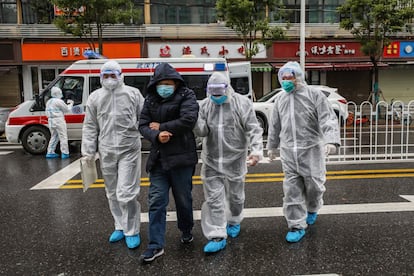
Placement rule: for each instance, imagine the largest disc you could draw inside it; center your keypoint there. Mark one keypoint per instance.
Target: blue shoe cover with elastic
(65, 155)
(311, 218)
(133, 241)
(117, 235)
(233, 230)
(52, 155)
(295, 236)
(214, 246)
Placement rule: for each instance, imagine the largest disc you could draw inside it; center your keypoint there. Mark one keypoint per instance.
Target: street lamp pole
(302, 35)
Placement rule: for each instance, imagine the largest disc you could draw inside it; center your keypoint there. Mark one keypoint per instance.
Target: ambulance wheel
(35, 139)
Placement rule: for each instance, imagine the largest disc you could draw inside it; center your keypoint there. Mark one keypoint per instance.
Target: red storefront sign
(319, 50)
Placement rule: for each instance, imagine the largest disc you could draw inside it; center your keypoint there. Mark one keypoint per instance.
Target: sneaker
(311, 218)
(187, 238)
(215, 245)
(295, 235)
(233, 230)
(65, 155)
(133, 241)
(151, 254)
(52, 155)
(117, 235)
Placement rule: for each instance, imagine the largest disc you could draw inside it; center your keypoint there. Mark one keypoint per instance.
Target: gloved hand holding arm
(330, 149)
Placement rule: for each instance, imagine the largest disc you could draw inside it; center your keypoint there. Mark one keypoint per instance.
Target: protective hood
(112, 67)
(292, 68)
(56, 92)
(163, 71)
(216, 82)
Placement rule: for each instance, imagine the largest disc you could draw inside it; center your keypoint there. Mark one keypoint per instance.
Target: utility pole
(302, 35)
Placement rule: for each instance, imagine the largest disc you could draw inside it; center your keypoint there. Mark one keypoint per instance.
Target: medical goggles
(111, 72)
(216, 89)
(287, 73)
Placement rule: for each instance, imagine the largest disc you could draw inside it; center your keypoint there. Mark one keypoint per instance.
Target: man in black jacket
(167, 119)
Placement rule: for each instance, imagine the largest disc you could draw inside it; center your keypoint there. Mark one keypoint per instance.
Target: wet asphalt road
(65, 231)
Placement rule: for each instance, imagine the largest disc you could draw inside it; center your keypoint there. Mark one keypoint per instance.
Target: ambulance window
(139, 82)
(240, 85)
(94, 83)
(72, 88)
(198, 84)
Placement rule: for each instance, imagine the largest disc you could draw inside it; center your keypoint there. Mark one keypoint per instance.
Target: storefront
(42, 62)
(398, 82)
(10, 68)
(231, 50)
(341, 64)
(334, 63)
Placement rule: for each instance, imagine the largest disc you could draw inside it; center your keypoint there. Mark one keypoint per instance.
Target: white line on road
(5, 152)
(325, 210)
(59, 178)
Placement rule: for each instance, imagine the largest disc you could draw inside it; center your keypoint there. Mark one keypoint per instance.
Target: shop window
(8, 12)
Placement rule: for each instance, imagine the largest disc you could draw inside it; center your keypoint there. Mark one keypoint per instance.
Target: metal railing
(381, 133)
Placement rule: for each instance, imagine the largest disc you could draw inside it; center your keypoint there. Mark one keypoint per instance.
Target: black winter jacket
(176, 114)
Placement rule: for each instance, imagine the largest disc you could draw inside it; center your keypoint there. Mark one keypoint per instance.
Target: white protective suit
(228, 130)
(55, 112)
(302, 123)
(111, 126)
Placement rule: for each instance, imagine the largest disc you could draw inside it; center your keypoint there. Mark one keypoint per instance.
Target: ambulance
(28, 125)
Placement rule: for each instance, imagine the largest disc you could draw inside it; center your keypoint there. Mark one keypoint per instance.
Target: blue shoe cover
(295, 236)
(117, 235)
(65, 155)
(214, 246)
(311, 218)
(233, 230)
(133, 241)
(52, 155)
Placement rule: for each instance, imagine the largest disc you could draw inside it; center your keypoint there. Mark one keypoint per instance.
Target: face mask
(165, 90)
(218, 100)
(110, 83)
(288, 85)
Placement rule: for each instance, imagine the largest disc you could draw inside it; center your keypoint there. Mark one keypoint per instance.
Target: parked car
(4, 114)
(263, 106)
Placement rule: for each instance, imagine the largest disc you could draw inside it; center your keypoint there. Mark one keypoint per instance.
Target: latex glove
(330, 149)
(70, 103)
(252, 160)
(272, 154)
(88, 159)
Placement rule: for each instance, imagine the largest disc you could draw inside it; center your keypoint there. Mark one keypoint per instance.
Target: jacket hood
(164, 71)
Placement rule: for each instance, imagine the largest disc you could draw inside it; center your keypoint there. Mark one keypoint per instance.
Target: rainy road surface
(49, 226)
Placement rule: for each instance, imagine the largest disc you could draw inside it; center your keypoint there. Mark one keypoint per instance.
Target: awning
(261, 67)
(309, 66)
(352, 66)
(346, 66)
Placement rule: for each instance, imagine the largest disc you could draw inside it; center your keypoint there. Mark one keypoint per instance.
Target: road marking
(63, 178)
(57, 179)
(325, 210)
(5, 152)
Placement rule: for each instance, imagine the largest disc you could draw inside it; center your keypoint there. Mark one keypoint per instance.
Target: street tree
(88, 18)
(250, 20)
(374, 23)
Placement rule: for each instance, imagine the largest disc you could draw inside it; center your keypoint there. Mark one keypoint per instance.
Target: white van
(27, 124)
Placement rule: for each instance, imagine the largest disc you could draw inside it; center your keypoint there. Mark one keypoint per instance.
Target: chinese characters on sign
(165, 51)
(331, 50)
(74, 51)
(213, 49)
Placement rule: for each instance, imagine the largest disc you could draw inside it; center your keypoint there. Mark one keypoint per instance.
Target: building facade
(33, 51)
